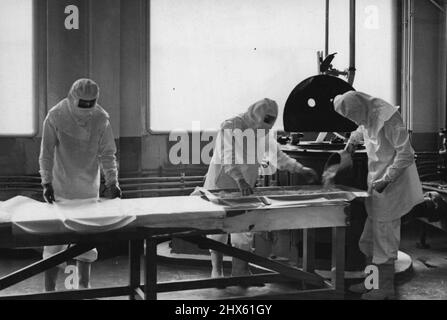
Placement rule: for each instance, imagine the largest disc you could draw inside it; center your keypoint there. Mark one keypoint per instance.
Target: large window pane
(17, 114)
(376, 46)
(211, 59)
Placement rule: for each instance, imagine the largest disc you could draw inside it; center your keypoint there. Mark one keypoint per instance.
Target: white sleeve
(282, 161)
(399, 138)
(46, 157)
(107, 158)
(355, 139)
(230, 161)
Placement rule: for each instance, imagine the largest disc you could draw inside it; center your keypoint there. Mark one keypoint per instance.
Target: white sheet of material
(82, 216)
(5, 216)
(181, 211)
(92, 216)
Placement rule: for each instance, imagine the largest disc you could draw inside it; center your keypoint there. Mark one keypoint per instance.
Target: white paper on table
(5, 216)
(296, 203)
(83, 216)
(321, 137)
(92, 215)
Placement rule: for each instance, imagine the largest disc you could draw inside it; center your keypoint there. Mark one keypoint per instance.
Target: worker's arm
(399, 138)
(107, 158)
(46, 157)
(355, 140)
(287, 163)
(397, 135)
(284, 162)
(233, 155)
(230, 162)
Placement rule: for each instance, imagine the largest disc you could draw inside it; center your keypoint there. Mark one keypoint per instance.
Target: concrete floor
(426, 280)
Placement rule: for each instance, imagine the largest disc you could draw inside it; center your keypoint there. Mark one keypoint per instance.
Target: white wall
(429, 68)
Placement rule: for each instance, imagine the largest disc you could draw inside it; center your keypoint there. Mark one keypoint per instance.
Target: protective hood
(82, 89)
(257, 113)
(365, 110)
(73, 120)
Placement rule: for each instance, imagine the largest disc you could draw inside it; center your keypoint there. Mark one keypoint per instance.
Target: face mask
(82, 113)
(84, 104)
(269, 120)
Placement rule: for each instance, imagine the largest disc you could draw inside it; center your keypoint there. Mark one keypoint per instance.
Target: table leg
(423, 237)
(150, 272)
(135, 249)
(309, 250)
(338, 259)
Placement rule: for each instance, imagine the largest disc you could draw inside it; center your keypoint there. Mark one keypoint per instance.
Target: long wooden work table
(146, 222)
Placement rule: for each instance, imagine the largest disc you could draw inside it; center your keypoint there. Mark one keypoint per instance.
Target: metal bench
(429, 169)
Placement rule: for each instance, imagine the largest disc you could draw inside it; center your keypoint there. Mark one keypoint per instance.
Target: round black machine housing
(310, 107)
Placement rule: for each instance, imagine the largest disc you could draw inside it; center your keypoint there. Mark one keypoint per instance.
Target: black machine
(310, 108)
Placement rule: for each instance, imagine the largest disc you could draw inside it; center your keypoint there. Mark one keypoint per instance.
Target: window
(376, 45)
(211, 59)
(17, 110)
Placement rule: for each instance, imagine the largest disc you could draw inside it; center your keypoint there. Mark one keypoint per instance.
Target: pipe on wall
(352, 42)
(326, 47)
(407, 62)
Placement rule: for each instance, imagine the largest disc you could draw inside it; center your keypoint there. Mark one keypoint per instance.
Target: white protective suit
(75, 144)
(390, 157)
(233, 160)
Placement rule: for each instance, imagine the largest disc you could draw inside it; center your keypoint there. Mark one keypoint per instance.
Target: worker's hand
(380, 185)
(351, 148)
(308, 174)
(244, 187)
(113, 191)
(48, 193)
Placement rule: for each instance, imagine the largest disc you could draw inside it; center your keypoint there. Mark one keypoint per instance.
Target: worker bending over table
(232, 167)
(393, 182)
(77, 139)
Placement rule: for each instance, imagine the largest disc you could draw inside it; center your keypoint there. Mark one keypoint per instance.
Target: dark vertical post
(338, 259)
(352, 42)
(135, 250)
(150, 274)
(309, 250)
(326, 41)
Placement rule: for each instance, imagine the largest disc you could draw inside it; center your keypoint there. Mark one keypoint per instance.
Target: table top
(28, 216)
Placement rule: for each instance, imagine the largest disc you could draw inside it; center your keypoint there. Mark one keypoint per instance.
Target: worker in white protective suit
(236, 165)
(77, 140)
(393, 182)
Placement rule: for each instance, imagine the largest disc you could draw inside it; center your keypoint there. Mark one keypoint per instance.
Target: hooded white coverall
(233, 160)
(390, 157)
(75, 144)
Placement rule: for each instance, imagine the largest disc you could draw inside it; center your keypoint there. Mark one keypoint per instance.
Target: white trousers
(242, 241)
(380, 240)
(89, 256)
